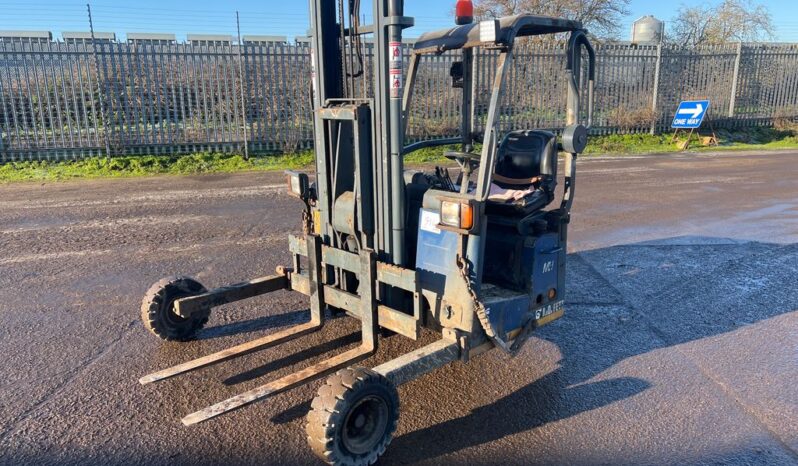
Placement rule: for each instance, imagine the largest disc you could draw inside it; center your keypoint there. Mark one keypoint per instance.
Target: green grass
(430, 155)
(133, 166)
(636, 144)
(148, 165)
(744, 139)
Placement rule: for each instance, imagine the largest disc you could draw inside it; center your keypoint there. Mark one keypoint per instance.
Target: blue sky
(273, 17)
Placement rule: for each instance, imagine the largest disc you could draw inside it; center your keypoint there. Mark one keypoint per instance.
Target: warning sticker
(313, 70)
(396, 84)
(430, 221)
(395, 52)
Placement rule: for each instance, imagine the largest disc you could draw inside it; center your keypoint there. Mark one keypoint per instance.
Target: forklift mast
(483, 272)
(359, 131)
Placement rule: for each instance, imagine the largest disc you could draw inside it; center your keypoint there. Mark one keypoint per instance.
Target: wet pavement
(679, 344)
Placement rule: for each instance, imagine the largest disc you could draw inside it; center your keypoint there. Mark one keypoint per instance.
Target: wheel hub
(365, 425)
(173, 317)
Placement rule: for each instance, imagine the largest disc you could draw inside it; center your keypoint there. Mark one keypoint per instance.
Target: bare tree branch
(601, 17)
(731, 21)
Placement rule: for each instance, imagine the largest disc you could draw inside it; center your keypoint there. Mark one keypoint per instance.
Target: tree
(601, 17)
(731, 21)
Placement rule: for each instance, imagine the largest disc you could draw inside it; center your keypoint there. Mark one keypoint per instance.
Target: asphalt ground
(679, 344)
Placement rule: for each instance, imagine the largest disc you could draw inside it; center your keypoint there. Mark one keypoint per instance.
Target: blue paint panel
(541, 261)
(436, 252)
(508, 313)
(690, 114)
(435, 261)
(546, 267)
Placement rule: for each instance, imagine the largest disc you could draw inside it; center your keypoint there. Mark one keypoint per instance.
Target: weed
(148, 165)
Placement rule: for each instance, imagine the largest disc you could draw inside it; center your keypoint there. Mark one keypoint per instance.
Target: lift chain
(482, 312)
(307, 222)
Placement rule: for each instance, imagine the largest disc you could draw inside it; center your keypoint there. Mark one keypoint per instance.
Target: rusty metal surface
(234, 352)
(300, 284)
(366, 306)
(399, 322)
(231, 293)
(286, 383)
(397, 276)
(390, 319)
(413, 365)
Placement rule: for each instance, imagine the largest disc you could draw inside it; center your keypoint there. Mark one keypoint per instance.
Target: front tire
(353, 417)
(158, 312)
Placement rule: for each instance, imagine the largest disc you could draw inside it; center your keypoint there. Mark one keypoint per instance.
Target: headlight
(457, 215)
(450, 214)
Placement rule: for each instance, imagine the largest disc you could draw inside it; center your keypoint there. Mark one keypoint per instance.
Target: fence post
(655, 98)
(6, 122)
(733, 97)
(241, 78)
(106, 127)
(472, 117)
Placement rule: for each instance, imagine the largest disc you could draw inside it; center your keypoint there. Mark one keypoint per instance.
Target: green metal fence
(60, 100)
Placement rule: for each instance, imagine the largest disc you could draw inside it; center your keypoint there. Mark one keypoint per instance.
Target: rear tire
(158, 312)
(353, 417)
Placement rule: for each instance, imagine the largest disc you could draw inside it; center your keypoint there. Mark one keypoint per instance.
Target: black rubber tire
(353, 400)
(157, 310)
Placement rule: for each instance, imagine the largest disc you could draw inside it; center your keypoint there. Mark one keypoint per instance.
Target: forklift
(479, 260)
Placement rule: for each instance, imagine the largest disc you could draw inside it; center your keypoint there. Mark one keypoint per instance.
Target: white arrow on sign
(696, 112)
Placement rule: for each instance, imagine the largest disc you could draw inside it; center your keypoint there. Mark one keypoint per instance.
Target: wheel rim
(365, 425)
(172, 317)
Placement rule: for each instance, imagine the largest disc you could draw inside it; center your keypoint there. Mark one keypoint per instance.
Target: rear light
(466, 216)
(464, 12)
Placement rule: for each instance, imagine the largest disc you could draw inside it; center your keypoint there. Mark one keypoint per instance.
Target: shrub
(786, 119)
(628, 120)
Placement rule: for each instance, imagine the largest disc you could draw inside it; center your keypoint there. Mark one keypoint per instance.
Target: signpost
(690, 115)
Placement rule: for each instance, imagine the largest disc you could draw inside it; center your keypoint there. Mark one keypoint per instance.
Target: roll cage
(501, 34)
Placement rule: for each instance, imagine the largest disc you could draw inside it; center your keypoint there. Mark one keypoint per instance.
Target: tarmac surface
(679, 344)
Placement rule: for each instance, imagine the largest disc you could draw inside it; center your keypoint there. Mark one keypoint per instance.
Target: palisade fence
(66, 100)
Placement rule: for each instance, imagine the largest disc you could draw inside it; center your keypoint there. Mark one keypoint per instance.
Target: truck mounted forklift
(403, 250)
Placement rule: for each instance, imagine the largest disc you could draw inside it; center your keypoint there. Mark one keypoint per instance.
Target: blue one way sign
(690, 114)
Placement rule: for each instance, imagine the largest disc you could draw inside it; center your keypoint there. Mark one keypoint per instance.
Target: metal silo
(647, 30)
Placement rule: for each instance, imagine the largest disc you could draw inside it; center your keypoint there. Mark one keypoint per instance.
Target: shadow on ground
(623, 301)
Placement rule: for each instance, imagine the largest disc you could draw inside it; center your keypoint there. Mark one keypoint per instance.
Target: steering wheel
(466, 160)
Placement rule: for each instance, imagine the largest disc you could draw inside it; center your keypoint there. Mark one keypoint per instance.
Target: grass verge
(147, 165)
(745, 139)
(133, 166)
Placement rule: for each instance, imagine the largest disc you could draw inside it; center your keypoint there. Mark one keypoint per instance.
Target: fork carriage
(397, 249)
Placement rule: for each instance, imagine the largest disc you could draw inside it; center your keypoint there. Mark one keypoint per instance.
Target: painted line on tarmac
(155, 198)
(599, 171)
(275, 237)
(687, 155)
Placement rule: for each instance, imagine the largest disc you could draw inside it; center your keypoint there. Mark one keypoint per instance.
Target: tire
(158, 314)
(353, 417)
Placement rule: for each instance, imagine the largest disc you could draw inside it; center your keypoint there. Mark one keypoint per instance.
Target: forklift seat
(526, 160)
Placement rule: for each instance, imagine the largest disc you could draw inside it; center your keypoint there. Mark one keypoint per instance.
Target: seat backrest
(525, 157)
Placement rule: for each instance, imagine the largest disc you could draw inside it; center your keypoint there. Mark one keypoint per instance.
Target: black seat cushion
(528, 204)
(524, 156)
(526, 160)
